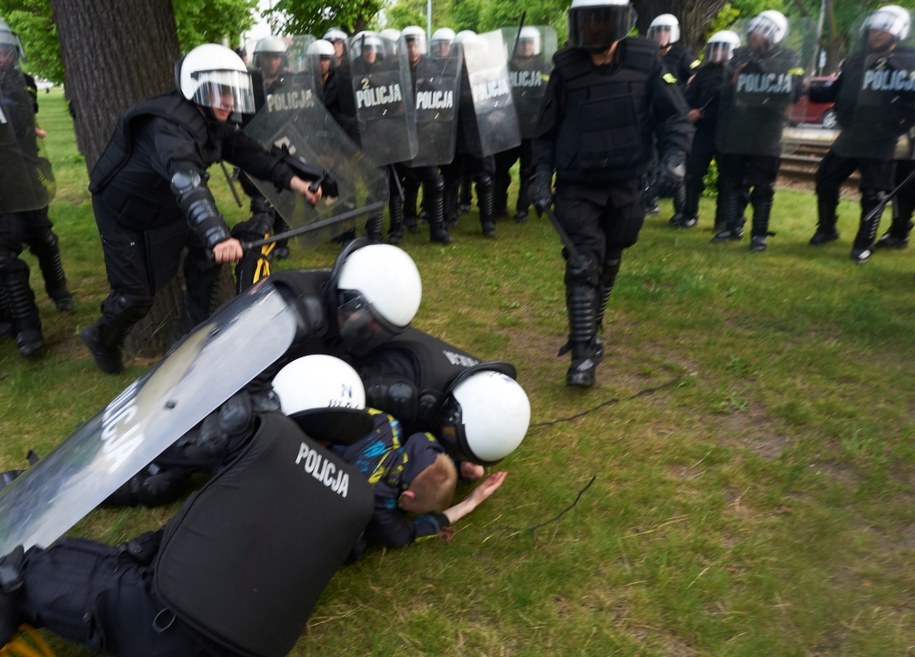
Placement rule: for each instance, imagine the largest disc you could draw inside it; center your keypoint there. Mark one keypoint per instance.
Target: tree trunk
(116, 53)
(694, 17)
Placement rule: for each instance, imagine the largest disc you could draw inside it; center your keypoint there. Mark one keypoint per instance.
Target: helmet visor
(357, 320)
(224, 90)
(765, 28)
(597, 28)
(451, 432)
(895, 23)
(718, 52)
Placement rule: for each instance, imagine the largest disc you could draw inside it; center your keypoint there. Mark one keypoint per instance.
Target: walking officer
(608, 98)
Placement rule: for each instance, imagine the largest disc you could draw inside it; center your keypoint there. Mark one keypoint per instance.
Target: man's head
(270, 56)
(484, 417)
(885, 27)
(766, 30)
(215, 79)
(376, 289)
(596, 25)
(721, 46)
(664, 30)
(337, 37)
(433, 488)
(10, 48)
(322, 55)
(528, 43)
(415, 41)
(369, 47)
(441, 42)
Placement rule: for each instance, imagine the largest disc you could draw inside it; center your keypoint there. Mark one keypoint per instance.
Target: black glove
(670, 173)
(540, 192)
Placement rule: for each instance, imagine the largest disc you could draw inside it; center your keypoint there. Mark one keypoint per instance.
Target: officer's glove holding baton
(540, 191)
(303, 187)
(670, 173)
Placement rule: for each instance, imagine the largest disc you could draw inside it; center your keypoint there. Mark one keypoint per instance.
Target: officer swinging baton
(889, 197)
(295, 232)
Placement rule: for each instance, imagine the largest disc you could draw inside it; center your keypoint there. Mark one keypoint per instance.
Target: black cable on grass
(537, 426)
(534, 528)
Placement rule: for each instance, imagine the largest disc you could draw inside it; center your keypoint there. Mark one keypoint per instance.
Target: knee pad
(11, 264)
(582, 272)
(127, 306)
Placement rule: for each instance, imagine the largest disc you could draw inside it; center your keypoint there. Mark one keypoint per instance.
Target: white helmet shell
(322, 48)
(443, 34)
(891, 18)
(772, 24)
(271, 44)
(390, 34)
(210, 70)
(10, 38)
(387, 278)
(325, 396)
(495, 412)
(721, 46)
(531, 34)
(666, 22)
(335, 34)
(367, 40)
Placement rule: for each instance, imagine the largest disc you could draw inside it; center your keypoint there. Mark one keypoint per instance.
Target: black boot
(47, 250)
(23, 314)
(105, 337)
(681, 219)
(395, 230)
(826, 220)
(451, 203)
(523, 204)
(871, 212)
(10, 592)
(485, 201)
(581, 301)
(281, 250)
(897, 237)
(373, 229)
(731, 216)
(762, 210)
(411, 193)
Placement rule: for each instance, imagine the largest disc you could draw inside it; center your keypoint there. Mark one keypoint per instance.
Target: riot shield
(207, 367)
(383, 94)
(295, 123)
(438, 82)
(488, 115)
(530, 60)
(878, 82)
(297, 58)
(26, 179)
(762, 83)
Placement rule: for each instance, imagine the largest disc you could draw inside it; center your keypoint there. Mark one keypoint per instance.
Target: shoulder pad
(639, 53)
(669, 78)
(568, 56)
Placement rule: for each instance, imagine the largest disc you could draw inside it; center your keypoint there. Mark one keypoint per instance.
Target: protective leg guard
(395, 230)
(607, 280)
(373, 229)
(523, 204)
(434, 201)
(679, 199)
(451, 202)
(10, 585)
(732, 217)
(465, 194)
(46, 248)
(581, 302)
(23, 314)
(105, 337)
(484, 186)
(411, 193)
(871, 212)
(826, 219)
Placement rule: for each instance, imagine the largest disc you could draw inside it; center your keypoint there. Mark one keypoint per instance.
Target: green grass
(750, 442)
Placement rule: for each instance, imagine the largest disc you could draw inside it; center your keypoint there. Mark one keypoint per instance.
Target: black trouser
(834, 169)
(98, 596)
(141, 262)
(742, 173)
(697, 164)
(904, 200)
(16, 230)
(502, 176)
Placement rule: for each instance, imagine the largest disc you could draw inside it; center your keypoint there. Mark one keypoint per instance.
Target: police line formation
(347, 406)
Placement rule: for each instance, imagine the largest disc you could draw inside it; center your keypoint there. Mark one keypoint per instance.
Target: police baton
(564, 236)
(889, 197)
(310, 228)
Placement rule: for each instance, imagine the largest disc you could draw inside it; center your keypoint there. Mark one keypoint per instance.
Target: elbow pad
(197, 203)
(398, 398)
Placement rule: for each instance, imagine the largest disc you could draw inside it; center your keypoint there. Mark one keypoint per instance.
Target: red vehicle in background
(806, 111)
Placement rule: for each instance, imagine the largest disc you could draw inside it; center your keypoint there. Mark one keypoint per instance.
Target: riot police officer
(32, 228)
(210, 582)
(703, 96)
(764, 78)
(874, 107)
(150, 197)
(599, 137)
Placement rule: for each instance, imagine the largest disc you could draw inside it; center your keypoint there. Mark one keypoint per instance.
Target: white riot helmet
(892, 19)
(721, 46)
(595, 25)
(335, 34)
(325, 396)
(10, 40)
(415, 34)
(377, 286)
(665, 23)
(365, 41)
(269, 46)
(771, 24)
(441, 41)
(209, 74)
(529, 35)
(321, 48)
(485, 416)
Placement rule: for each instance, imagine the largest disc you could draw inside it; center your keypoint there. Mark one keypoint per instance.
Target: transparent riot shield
(492, 125)
(530, 60)
(295, 124)
(207, 367)
(383, 94)
(26, 179)
(437, 92)
(878, 83)
(762, 83)
(298, 60)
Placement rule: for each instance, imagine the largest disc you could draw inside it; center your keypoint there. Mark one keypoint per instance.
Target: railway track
(803, 148)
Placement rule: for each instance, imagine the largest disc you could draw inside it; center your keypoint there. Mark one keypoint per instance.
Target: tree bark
(694, 17)
(116, 53)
